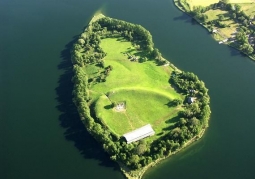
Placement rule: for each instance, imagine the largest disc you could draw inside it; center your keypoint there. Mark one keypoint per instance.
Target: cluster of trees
(193, 118)
(158, 57)
(235, 12)
(243, 41)
(189, 84)
(199, 13)
(183, 4)
(133, 32)
(138, 154)
(87, 50)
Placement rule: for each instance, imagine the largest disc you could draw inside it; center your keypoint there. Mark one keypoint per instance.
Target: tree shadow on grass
(173, 120)
(69, 118)
(170, 104)
(108, 106)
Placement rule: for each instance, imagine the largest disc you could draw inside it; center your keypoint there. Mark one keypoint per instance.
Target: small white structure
(215, 30)
(191, 100)
(139, 133)
(120, 106)
(225, 40)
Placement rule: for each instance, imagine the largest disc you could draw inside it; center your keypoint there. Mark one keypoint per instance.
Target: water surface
(40, 132)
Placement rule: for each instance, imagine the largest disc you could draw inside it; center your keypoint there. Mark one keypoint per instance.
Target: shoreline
(204, 26)
(138, 174)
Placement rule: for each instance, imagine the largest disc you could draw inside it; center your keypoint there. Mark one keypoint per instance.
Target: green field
(201, 2)
(143, 86)
(249, 8)
(208, 2)
(232, 25)
(227, 32)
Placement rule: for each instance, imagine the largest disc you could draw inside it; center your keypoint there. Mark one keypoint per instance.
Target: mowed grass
(127, 74)
(227, 32)
(208, 2)
(231, 25)
(201, 2)
(214, 14)
(143, 86)
(249, 8)
(241, 1)
(142, 107)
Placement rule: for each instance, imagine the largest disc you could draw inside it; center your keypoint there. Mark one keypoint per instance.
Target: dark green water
(40, 133)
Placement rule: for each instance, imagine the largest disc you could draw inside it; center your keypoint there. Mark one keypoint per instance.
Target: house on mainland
(139, 133)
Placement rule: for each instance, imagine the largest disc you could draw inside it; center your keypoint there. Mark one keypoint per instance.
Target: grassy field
(142, 107)
(241, 1)
(208, 2)
(214, 14)
(232, 25)
(249, 8)
(143, 86)
(201, 2)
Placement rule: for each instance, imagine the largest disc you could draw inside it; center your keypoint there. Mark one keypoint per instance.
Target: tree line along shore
(231, 22)
(96, 68)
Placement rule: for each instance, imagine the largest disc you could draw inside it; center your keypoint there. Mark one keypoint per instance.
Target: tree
(225, 1)
(247, 48)
(156, 54)
(114, 104)
(237, 8)
(81, 41)
(141, 148)
(176, 102)
(221, 17)
(234, 15)
(241, 37)
(134, 160)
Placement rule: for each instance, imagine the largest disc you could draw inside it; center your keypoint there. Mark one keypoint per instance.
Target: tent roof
(139, 133)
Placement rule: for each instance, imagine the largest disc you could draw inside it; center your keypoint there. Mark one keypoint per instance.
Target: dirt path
(129, 121)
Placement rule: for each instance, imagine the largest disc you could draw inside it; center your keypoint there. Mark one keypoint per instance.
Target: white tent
(139, 133)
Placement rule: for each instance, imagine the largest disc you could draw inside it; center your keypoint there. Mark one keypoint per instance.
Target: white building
(139, 133)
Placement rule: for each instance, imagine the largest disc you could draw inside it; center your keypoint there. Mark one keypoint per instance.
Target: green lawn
(142, 107)
(208, 2)
(201, 2)
(131, 74)
(232, 25)
(214, 14)
(143, 86)
(241, 1)
(249, 8)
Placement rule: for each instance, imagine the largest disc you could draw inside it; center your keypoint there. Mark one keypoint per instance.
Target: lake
(41, 135)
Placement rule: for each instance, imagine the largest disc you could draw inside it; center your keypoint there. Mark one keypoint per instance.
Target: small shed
(191, 100)
(139, 133)
(215, 30)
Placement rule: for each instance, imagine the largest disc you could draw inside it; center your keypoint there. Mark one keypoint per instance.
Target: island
(135, 103)
(230, 22)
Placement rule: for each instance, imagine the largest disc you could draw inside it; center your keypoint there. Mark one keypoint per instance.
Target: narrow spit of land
(122, 83)
(231, 22)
